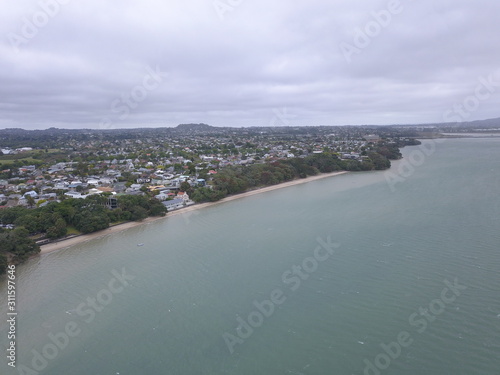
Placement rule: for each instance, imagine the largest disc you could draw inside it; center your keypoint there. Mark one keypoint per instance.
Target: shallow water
(200, 274)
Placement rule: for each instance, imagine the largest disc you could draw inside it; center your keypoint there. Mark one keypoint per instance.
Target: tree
(9, 215)
(31, 222)
(380, 162)
(17, 241)
(30, 200)
(185, 186)
(58, 230)
(156, 208)
(3, 263)
(205, 194)
(138, 213)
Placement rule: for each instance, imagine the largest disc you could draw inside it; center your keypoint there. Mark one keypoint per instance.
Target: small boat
(140, 244)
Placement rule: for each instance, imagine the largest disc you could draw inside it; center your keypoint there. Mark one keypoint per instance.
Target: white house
(183, 195)
(31, 193)
(74, 194)
(94, 191)
(61, 185)
(174, 204)
(106, 180)
(93, 181)
(162, 196)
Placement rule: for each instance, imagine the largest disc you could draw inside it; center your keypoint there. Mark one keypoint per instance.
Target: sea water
(390, 272)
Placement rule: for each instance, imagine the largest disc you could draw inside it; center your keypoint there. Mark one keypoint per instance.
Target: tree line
(53, 221)
(238, 179)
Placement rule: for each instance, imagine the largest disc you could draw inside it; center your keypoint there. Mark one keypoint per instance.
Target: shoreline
(66, 243)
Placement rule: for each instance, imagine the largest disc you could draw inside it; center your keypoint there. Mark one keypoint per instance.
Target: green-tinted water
(198, 276)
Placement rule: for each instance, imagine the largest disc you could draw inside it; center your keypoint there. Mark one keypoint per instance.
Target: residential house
(31, 193)
(163, 196)
(74, 194)
(174, 204)
(183, 195)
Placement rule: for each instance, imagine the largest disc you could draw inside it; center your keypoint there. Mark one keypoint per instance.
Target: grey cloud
(262, 57)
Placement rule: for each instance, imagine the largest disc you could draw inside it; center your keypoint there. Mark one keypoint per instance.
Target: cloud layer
(102, 64)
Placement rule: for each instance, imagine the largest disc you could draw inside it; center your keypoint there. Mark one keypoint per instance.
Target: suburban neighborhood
(77, 164)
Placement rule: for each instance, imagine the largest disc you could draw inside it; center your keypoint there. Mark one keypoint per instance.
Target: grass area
(73, 231)
(28, 160)
(34, 157)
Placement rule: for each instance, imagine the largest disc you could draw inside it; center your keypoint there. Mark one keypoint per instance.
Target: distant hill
(492, 123)
(194, 127)
(485, 124)
(202, 128)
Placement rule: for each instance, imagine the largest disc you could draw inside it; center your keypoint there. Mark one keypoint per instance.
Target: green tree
(30, 200)
(380, 162)
(31, 222)
(58, 230)
(185, 186)
(17, 242)
(156, 208)
(3, 263)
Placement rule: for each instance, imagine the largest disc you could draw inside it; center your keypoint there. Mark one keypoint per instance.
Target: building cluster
(157, 161)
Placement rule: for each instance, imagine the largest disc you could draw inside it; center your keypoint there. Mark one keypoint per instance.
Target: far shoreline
(73, 241)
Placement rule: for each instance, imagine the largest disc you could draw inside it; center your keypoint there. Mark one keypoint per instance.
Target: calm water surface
(177, 301)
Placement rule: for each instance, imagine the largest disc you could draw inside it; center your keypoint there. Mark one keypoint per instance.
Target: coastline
(66, 243)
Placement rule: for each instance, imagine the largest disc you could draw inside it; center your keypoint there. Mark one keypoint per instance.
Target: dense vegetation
(55, 219)
(16, 243)
(237, 179)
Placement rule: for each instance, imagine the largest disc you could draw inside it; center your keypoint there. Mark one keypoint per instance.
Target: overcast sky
(115, 64)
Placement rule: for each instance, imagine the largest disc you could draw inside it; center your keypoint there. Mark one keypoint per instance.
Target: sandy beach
(121, 227)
